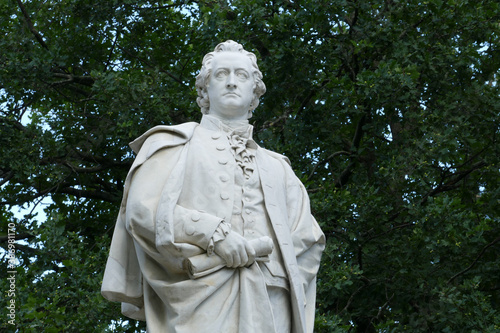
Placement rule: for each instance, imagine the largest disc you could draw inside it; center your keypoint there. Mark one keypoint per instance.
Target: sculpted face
(231, 86)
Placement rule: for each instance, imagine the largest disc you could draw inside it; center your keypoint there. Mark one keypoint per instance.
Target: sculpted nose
(231, 82)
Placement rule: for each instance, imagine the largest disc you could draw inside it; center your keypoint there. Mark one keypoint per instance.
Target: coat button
(189, 230)
(223, 161)
(216, 135)
(224, 196)
(195, 217)
(220, 147)
(224, 178)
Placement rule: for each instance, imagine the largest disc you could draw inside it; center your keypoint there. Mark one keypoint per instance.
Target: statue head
(204, 77)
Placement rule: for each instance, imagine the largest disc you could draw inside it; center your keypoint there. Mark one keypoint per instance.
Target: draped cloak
(170, 211)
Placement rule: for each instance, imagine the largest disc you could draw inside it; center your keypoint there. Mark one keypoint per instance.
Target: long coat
(170, 211)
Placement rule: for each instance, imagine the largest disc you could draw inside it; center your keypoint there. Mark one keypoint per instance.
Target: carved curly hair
(206, 70)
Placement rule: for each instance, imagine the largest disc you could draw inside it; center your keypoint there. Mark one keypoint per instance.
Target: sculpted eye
(242, 75)
(220, 74)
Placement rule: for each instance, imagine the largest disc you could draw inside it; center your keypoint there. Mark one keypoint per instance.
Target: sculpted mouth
(231, 93)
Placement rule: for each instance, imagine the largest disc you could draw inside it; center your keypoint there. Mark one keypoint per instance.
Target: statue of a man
(215, 233)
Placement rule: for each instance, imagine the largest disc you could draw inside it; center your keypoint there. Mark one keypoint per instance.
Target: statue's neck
(226, 124)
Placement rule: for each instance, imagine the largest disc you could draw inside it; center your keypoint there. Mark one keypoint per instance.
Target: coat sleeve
(308, 240)
(153, 181)
(135, 234)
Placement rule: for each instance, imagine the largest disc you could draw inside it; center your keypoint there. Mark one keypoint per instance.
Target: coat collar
(242, 128)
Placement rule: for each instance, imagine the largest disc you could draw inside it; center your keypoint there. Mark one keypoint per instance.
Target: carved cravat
(239, 134)
(244, 157)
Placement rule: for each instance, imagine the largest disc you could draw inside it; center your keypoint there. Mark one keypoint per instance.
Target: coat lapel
(275, 202)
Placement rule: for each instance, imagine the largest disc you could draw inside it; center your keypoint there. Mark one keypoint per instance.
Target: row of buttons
(223, 161)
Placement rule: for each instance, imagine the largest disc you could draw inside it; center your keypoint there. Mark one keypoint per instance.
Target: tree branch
(98, 195)
(6, 177)
(433, 192)
(354, 294)
(17, 124)
(156, 8)
(273, 123)
(356, 140)
(383, 307)
(311, 94)
(69, 78)
(475, 260)
(118, 32)
(72, 87)
(338, 153)
(30, 25)
(175, 78)
(4, 238)
(458, 176)
(77, 169)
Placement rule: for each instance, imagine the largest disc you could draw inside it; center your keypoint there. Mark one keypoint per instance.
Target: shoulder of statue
(162, 135)
(277, 156)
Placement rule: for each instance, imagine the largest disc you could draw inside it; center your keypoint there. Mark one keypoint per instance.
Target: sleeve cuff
(220, 234)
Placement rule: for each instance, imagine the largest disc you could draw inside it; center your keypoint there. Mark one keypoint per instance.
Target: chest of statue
(209, 176)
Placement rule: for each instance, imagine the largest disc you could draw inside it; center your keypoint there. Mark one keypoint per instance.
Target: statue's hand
(235, 250)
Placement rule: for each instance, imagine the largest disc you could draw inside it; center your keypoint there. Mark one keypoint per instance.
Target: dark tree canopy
(388, 110)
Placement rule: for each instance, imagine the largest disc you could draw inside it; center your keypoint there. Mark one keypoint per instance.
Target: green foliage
(388, 110)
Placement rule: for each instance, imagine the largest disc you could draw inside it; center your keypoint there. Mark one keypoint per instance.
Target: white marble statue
(215, 233)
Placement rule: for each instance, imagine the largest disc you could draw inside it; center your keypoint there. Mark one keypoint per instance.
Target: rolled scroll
(202, 264)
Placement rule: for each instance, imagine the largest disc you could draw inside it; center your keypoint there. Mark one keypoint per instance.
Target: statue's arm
(308, 240)
(188, 227)
(198, 228)
(194, 227)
